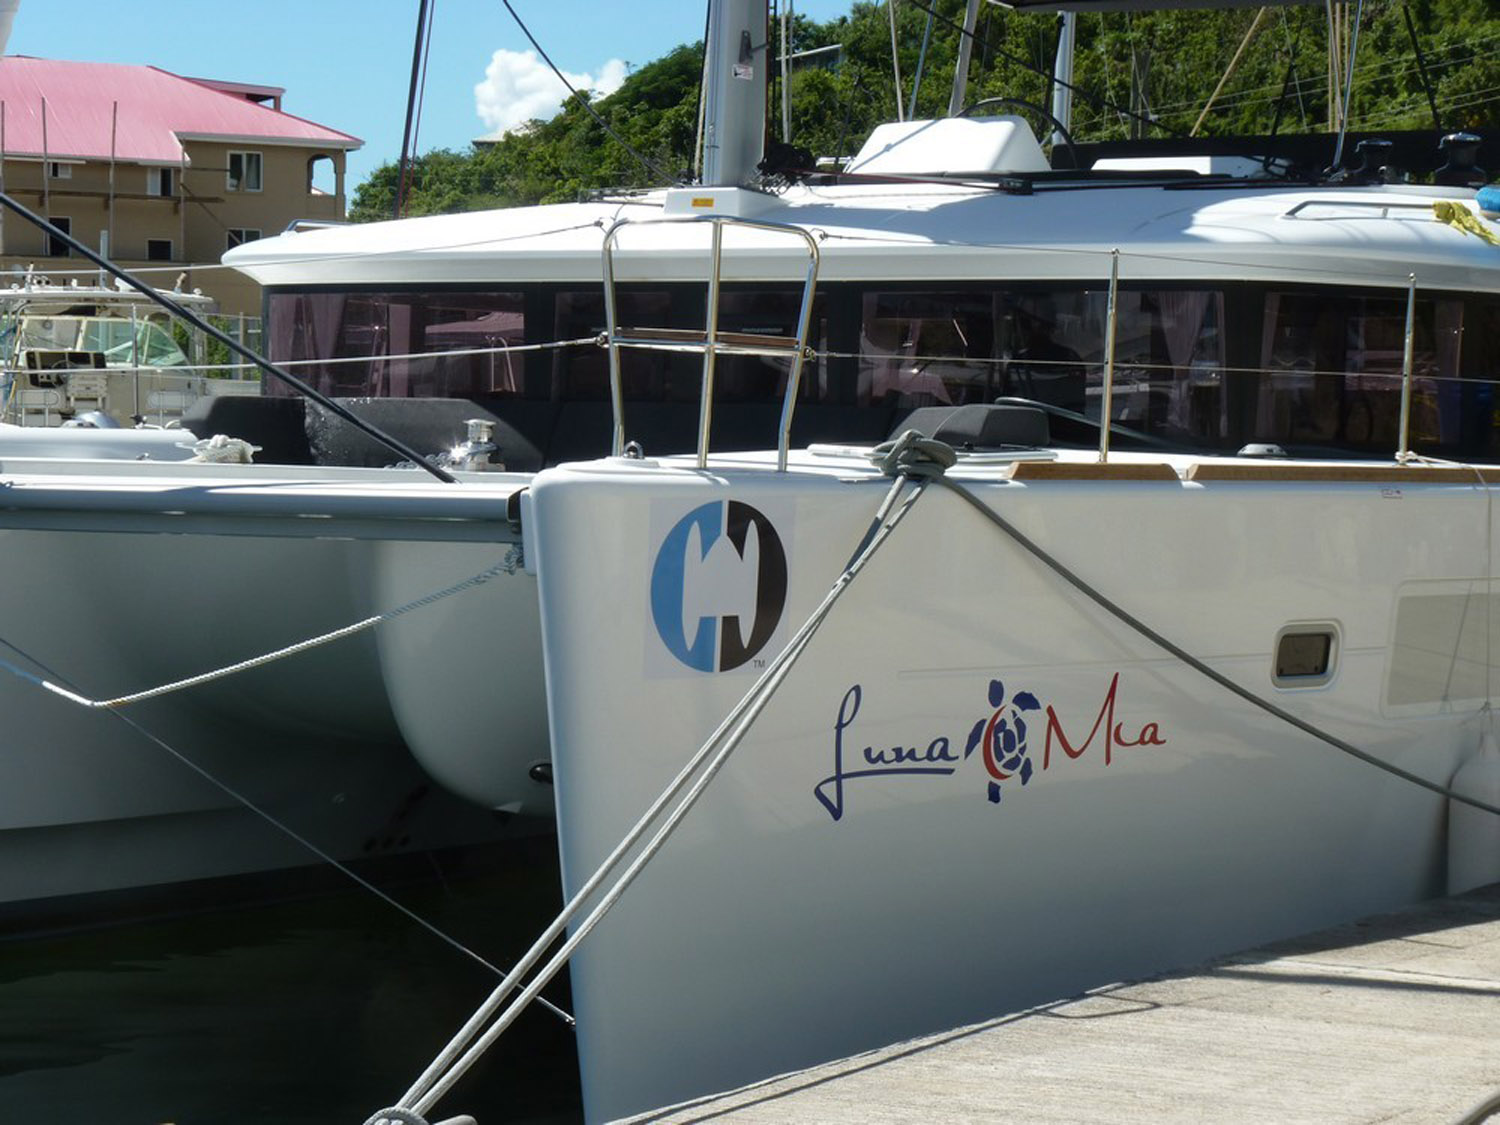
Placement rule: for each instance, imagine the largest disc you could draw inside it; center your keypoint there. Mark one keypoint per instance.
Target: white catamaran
(1173, 642)
(1198, 548)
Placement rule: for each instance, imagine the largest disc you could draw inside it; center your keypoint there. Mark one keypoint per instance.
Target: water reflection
(320, 1010)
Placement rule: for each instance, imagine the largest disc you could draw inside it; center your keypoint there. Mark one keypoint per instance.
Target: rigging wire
(422, 86)
(1411, 31)
(411, 105)
(649, 164)
(1270, 93)
(916, 83)
(703, 93)
(1027, 64)
(1390, 68)
(890, 7)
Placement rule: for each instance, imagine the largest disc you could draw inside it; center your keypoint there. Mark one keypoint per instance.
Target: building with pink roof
(156, 170)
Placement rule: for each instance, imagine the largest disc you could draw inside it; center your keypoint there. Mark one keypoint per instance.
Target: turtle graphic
(1001, 738)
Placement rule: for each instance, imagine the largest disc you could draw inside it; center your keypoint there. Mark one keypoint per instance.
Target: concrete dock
(1394, 1018)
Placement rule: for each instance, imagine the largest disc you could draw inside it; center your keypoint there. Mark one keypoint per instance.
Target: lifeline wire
(449, 1065)
(508, 565)
(1193, 662)
(286, 829)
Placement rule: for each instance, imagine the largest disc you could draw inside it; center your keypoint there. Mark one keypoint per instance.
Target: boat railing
(710, 341)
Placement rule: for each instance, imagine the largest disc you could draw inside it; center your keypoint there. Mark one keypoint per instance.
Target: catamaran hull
(139, 581)
(979, 791)
(464, 676)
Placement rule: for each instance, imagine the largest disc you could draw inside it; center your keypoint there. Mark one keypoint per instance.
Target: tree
(1178, 57)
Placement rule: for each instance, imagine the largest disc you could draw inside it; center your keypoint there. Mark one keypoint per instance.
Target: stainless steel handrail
(710, 345)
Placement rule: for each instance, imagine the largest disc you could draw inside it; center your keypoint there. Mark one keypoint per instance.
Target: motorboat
(71, 350)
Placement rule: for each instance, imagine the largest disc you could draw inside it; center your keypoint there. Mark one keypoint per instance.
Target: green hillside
(1165, 64)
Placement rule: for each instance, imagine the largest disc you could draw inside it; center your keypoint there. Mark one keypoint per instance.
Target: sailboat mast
(961, 70)
(1062, 75)
(734, 126)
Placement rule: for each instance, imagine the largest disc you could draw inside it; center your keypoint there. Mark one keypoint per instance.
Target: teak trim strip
(1091, 470)
(1352, 474)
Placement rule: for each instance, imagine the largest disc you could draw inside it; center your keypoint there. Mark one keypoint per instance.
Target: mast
(1062, 75)
(734, 126)
(965, 49)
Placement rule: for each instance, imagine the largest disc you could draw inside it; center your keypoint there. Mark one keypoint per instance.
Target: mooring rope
(1199, 666)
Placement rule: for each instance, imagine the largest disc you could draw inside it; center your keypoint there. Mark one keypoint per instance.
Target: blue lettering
(897, 761)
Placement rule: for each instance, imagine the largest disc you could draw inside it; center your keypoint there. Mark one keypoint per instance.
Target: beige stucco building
(158, 172)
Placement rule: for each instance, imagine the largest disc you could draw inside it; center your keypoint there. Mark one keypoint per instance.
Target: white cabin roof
(1373, 235)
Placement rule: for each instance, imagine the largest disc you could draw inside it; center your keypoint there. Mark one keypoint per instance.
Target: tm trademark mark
(759, 663)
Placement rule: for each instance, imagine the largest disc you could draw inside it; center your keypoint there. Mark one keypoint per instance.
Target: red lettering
(1114, 733)
(1149, 735)
(1106, 718)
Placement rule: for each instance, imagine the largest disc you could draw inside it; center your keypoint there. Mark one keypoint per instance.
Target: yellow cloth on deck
(1459, 217)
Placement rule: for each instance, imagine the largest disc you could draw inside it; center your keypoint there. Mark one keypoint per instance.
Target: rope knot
(396, 1116)
(914, 454)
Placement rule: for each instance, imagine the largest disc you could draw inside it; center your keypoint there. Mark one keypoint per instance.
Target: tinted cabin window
(400, 345)
(1332, 372)
(1480, 404)
(1317, 371)
(1049, 345)
(929, 349)
(582, 374)
(754, 378)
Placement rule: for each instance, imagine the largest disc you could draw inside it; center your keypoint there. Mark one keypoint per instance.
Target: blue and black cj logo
(683, 582)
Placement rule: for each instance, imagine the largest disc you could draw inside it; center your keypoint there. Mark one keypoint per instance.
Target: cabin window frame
(835, 382)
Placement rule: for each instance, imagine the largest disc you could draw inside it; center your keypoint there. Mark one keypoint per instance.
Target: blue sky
(346, 63)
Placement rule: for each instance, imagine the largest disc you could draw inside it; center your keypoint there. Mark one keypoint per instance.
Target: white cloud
(518, 86)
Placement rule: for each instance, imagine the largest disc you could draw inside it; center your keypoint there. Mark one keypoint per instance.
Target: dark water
(322, 1009)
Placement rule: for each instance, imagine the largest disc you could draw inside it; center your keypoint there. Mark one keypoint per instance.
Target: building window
(56, 247)
(239, 236)
(159, 181)
(244, 171)
(59, 171)
(158, 249)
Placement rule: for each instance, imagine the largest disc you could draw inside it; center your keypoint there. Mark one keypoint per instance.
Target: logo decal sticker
(718, 586)
(1002, 739)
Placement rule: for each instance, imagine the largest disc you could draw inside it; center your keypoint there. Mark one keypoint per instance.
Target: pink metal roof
(157, 109)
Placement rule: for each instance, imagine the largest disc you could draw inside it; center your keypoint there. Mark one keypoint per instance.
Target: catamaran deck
(1394, 1018)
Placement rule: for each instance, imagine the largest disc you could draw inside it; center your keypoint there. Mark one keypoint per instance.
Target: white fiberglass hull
(464, 676)
(130, 576)
(860, 871)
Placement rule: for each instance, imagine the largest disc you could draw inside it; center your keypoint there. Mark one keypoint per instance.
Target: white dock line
(509, 565)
